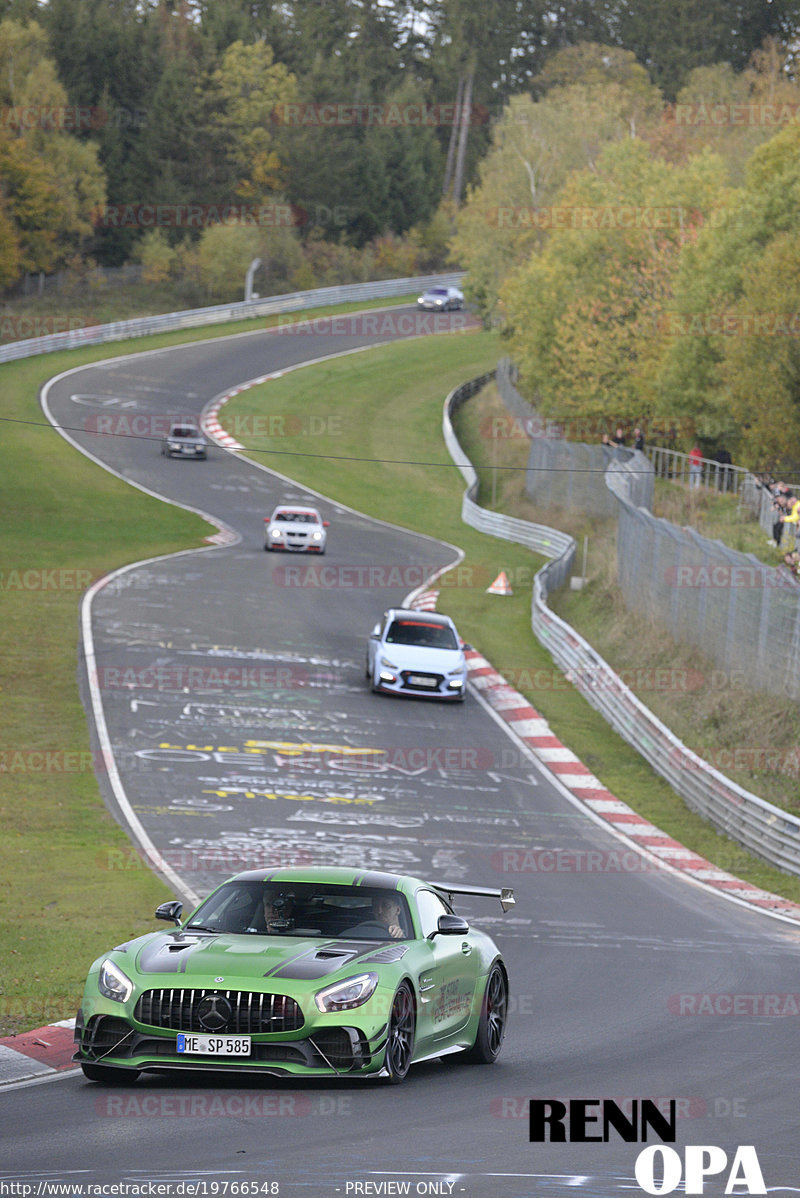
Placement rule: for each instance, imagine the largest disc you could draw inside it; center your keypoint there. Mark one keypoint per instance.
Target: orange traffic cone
(500, 586)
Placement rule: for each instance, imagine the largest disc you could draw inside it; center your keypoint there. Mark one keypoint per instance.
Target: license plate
(419, 680)
(215, 1046)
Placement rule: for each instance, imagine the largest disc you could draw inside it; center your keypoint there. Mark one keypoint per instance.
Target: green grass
(61, 897)
(714, 515)
(65, 522)
(22, 318)
(428, 498)
(58, 899)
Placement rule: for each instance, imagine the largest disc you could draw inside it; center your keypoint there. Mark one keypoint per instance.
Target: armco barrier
(145, 326)
(765, 830)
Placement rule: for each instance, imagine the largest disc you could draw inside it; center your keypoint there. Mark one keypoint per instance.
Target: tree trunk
(465, 115)
(451, 149)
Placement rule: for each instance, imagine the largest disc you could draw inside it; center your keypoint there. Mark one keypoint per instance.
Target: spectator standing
(792, 514)
(638, 440)
(695, 467)
(780, 510)
(617, 441)
(725, 474)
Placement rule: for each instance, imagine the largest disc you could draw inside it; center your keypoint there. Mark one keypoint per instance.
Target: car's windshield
(305, 909)
(438, 291)
(297, 517)
(422, 633)
(183, 430)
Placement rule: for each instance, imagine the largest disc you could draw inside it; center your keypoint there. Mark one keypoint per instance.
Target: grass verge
(62, 895)
(414, 490)
(714, 515)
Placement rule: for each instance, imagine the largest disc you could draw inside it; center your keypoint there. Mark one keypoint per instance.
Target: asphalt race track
(215, 667)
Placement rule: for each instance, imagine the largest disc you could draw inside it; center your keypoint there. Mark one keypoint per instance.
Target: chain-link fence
(571, 474)
(762, 828)
(743, 615)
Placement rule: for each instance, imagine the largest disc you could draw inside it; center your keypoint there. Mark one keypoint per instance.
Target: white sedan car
(295, 528)
(441, 299)
(417, 653)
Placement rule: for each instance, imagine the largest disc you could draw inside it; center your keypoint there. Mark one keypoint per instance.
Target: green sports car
(299, 972)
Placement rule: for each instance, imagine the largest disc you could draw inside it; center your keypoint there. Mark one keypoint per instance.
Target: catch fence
(763, 829)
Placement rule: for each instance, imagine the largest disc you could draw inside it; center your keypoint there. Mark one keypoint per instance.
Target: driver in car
(387, 910)
(277, 910)
(386, 921)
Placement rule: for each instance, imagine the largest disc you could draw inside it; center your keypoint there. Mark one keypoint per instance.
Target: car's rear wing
(505, 894)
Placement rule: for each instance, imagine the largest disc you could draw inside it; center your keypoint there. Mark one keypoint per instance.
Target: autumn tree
(732, 359)
(535, 146)
(585, 313)
(50, 181)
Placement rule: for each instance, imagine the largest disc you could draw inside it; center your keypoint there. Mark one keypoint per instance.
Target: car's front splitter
(403, 692)
(330, 1051)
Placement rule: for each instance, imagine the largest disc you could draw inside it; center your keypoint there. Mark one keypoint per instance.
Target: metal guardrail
(538, 537)
(167, 322)
(763, 829)
(676, 466)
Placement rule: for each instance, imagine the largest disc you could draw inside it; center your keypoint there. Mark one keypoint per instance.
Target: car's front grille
(421, 680)
(250, 1013)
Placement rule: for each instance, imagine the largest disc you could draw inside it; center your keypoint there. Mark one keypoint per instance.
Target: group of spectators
(785, 522)
(620, 441)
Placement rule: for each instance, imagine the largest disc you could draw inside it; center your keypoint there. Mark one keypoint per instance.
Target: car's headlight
(454, 673)
(346, 995)
(275, 532)
(112, 982)
(316, 536)
(174, 444)
(390, 665)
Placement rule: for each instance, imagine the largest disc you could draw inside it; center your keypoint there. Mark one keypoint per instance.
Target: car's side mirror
(326, 523)
(450, 925)
(466, 646)
(376, 631)
(171, 912)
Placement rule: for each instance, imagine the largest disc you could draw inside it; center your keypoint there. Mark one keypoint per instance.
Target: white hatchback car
(295, 528)
(417, 653)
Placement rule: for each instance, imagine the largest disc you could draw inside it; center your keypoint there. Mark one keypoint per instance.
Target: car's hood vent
(319, 962)
(393, 952)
